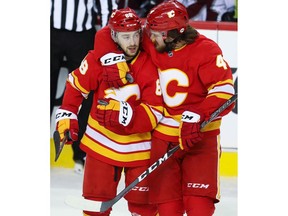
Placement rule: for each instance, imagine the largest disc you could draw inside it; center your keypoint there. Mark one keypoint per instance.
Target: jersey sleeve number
(220, 62)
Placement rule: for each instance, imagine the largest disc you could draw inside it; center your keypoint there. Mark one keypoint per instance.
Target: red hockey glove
(113, 113)
(67, 121)
(115, 70)
(190, 126)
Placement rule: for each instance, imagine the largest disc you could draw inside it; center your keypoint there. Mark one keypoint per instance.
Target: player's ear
(114, 36)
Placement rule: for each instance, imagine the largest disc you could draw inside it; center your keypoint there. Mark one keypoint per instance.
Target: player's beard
(165, 47)
(131, 52)
(169, 46)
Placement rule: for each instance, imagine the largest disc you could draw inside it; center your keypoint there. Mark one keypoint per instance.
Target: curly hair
(189, 36)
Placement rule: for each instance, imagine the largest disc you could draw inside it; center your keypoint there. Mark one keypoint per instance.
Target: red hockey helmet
(167, 16)
(124, 20)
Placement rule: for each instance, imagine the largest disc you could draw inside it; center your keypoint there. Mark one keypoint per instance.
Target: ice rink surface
(65, 182)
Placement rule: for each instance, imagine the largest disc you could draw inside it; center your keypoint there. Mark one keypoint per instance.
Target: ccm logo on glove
(190, 117)
(66, 121)
(125, 114)
(189, 130)
(63, 114)
(112, 58)
(112, 112)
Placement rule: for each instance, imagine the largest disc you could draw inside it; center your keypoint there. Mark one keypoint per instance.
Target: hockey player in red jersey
(118, 134)
(195, 80)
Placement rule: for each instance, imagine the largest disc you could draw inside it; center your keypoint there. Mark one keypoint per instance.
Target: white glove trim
(190, 117)
(112, 58)
(64, 114)
(125, 113)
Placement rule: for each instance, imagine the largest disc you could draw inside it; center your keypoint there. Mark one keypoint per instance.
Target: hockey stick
(98, 206)
(59, 146)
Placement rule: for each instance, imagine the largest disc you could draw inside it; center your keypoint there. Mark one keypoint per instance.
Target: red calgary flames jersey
(195, 77)
(114, 145)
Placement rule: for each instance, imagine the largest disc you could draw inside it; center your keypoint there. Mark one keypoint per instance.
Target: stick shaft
(59, 146)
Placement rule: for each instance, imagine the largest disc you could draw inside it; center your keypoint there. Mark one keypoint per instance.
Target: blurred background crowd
(198, 10)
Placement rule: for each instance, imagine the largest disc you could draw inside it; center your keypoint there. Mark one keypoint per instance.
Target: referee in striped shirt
(73, 28)
(71, 36)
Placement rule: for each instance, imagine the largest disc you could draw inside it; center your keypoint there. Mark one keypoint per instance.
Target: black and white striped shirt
(72, 15)
(104, 9)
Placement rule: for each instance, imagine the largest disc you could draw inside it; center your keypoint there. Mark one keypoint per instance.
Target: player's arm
(150, 111)
(132, 118)
(78, 86)
(146, 118)
(216, 75)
